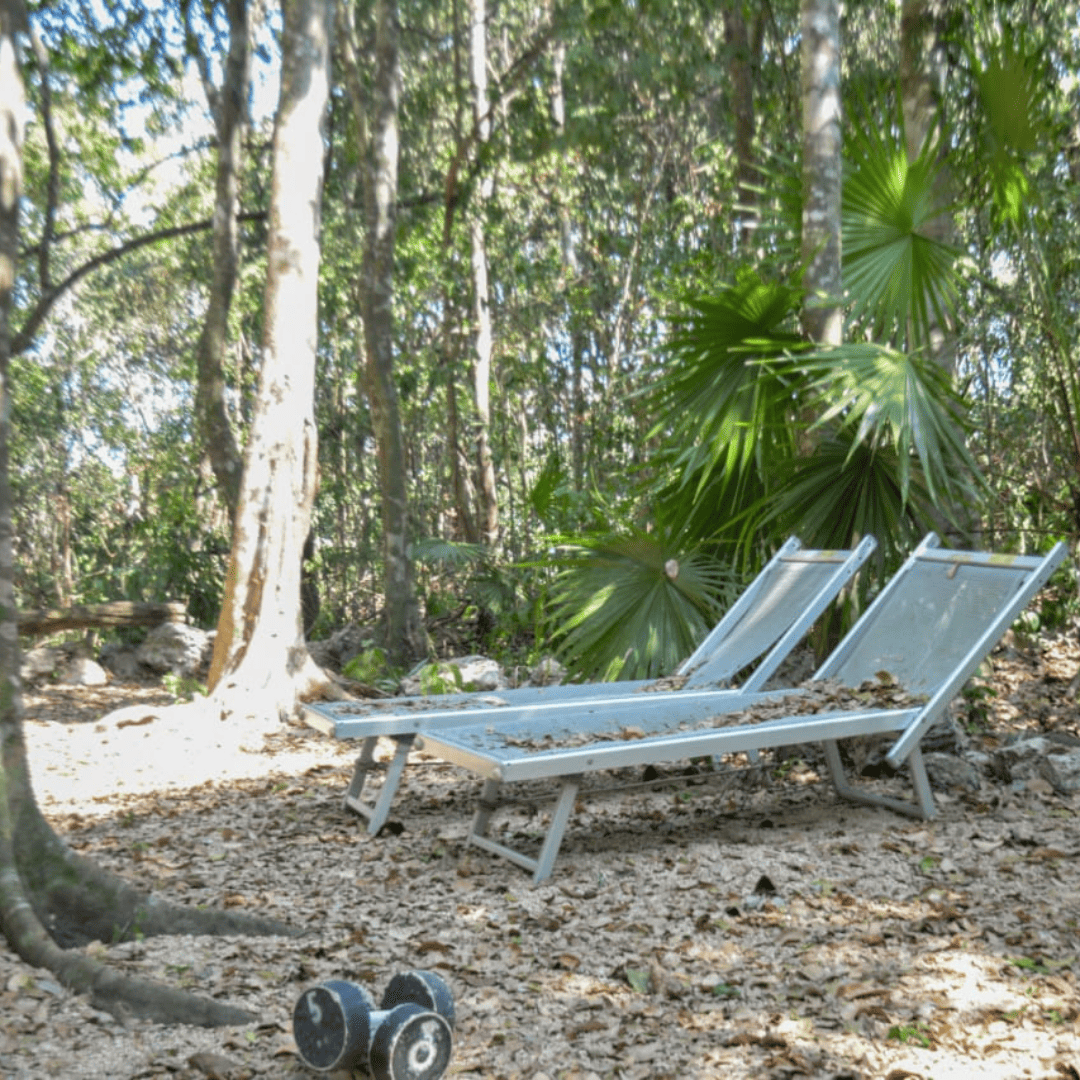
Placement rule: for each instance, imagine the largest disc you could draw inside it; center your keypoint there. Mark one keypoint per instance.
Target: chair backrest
(773, 614)
(936, 621)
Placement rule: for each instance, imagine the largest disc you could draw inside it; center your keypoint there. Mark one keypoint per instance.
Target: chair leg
(560, 816)
(922, 808)
(376, 813)
(924, 793)
(489, 803)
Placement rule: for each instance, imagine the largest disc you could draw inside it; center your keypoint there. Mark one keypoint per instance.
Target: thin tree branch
(24, 337)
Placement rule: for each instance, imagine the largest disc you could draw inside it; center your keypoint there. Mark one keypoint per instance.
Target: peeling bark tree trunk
(260, 666)
(51, 898)
(403, 637)
(822, 177)
(211, 406)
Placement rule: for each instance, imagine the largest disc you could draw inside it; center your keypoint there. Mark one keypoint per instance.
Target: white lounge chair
(929, 629)
(767, 622)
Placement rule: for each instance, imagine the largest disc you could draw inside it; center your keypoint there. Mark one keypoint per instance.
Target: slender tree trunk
(402, 622)
(822, 172)
(211, 405)
(459, 466)
(923, 72)
(49, 896)
(260, 665)
(572, 272)
(743, 50)
(488, 510)
(461, 478)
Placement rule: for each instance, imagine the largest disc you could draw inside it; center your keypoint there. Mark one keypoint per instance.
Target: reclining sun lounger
(767, 621)
(927, 631)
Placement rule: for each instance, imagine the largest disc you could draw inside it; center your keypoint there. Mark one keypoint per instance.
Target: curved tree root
(122, 995)
(52, 897)
(79, 902)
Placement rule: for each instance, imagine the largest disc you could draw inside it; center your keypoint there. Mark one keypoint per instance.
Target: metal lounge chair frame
(768, 620)
(931, 626)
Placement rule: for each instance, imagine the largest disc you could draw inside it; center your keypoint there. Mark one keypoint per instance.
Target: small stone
(176, 648)
(947, 770)
(461, 673)
(40, 662)
(548, 672)
(1062, 771)
(82, 671)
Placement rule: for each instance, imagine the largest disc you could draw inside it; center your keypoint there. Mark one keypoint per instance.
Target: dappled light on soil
(747, 929)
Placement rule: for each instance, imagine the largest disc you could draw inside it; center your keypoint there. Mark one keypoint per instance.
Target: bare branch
(24, 337)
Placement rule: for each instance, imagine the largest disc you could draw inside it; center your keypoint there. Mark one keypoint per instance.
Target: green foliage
(902, 282)
(724, 397)
(1011, 79)
(372, 667)
(605, 232)
(182, 687)
(881, 397)
(439, 678)
(500, 598)
(916, 1032)
(633, 605)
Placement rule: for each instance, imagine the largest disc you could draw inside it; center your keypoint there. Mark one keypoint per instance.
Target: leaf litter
(758, 929)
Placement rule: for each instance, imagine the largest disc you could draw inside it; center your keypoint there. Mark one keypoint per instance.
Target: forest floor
(731, 929)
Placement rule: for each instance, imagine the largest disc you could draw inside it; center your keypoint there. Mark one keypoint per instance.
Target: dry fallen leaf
(217, 1066)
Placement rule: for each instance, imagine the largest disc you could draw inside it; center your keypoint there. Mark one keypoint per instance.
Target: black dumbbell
(336, 1025)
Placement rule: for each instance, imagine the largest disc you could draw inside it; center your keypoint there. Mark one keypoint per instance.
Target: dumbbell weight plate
(411, 1043)
(332, 1026)
(420, 988)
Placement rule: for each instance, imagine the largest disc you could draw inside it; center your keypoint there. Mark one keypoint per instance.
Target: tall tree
(744, 50)
(402, 633)
(488, 514)
(923, 73)
(571, 266)
(52, 900)
(228, 104)
(261, 665)
(822, 171)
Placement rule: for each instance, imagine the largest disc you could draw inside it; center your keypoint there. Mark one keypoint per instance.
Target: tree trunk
(822, 172)
(402, 620)
(742, 62)
(488, 510)
(572, 272)
(49, 896)
(260, 665)
(211, 406)
(923, 72)
(459, 466)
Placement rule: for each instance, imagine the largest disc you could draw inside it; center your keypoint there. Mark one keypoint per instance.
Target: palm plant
(763, 435)
(633, 605)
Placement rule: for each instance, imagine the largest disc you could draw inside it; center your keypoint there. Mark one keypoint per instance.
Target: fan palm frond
(632, 605)
(899, 279)
(886, 397)
(725, 392)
